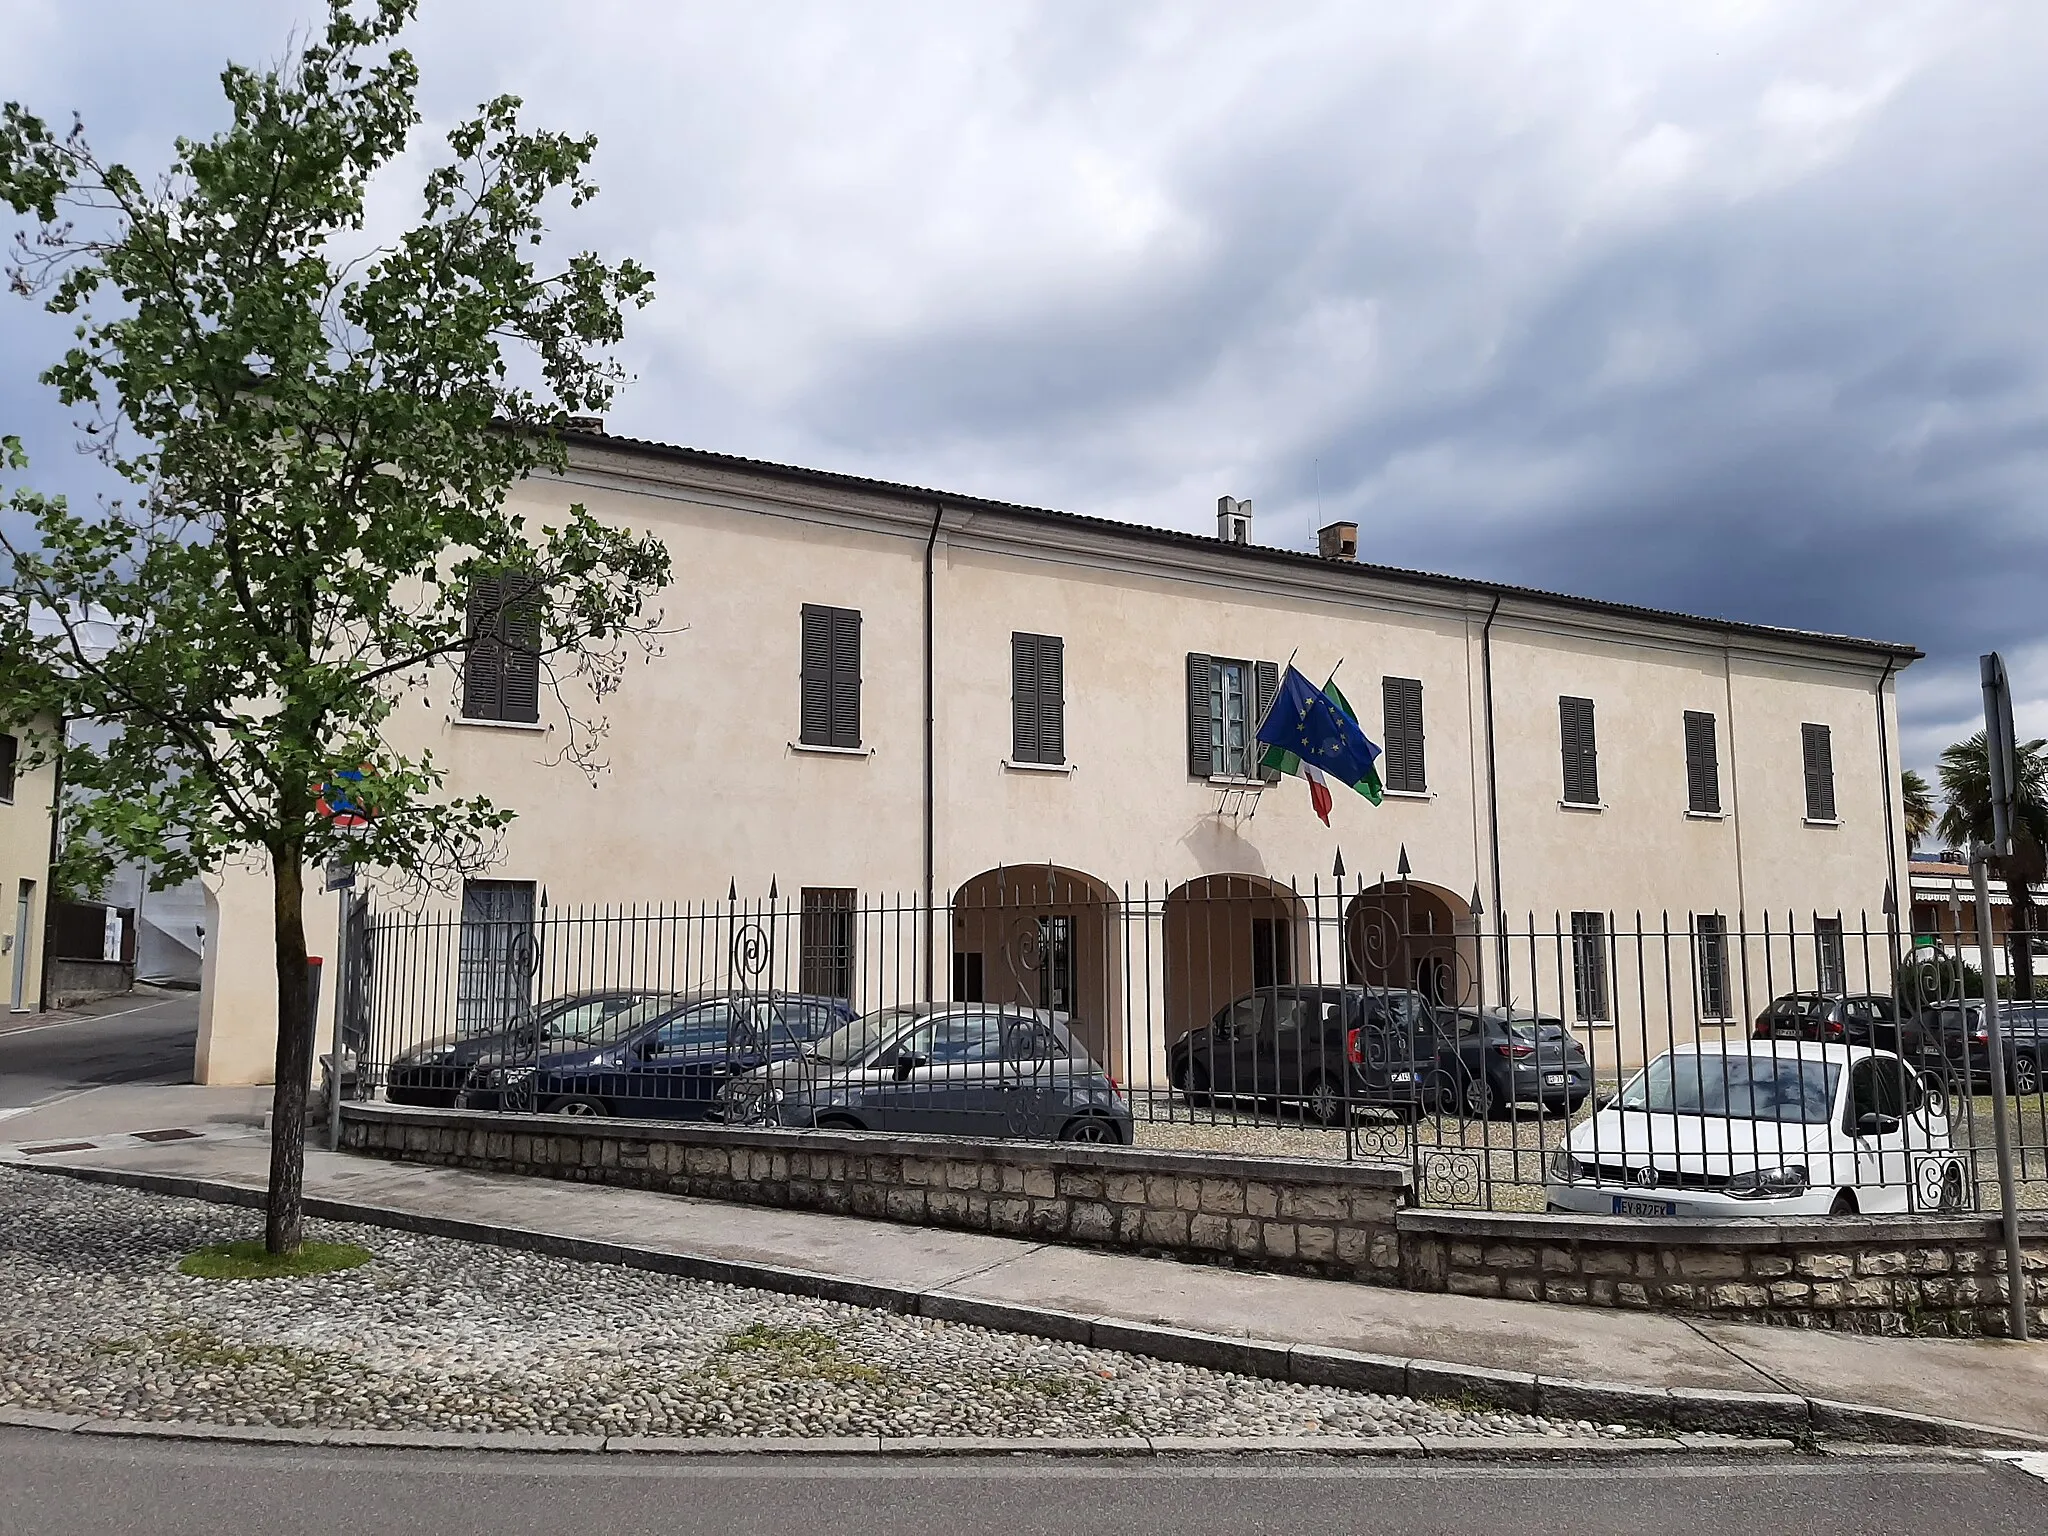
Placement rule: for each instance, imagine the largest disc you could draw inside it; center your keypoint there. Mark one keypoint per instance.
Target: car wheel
(1197, 1089)
(2026, 1075)
(1476, 1097)
(1844, 1203)
(838, 1123)
(1091, 1128)
(576, 1104)
(1324, 1101)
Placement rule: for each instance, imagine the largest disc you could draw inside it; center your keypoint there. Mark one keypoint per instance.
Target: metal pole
(2008, 1205)
(341, 973)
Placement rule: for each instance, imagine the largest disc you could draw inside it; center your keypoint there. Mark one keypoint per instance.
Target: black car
(434, 1072)
(670, 1066)
(1328, 1049)
(1965, 1041)
(1492, 1059)
(1855, 1018)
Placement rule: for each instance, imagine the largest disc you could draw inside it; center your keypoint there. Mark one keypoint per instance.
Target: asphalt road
(82, 1486)
(144, 1037)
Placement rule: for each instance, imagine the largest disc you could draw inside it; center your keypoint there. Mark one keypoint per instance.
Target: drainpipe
(56, 851)
(930, 853)
(1500, 916)
(1901, 913)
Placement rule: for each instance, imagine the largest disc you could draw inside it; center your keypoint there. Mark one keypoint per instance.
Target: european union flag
(1307, 722)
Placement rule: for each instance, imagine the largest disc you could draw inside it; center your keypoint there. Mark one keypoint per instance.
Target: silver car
(954, 1069)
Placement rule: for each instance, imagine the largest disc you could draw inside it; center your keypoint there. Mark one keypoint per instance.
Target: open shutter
(814, 726)
(1201, 756)
(519, 651)
(1024, 714)
(1702, 764)
(1818, 749)
(9, 750)
(1052, 699)
(1401, 709)
(1266, 684)
(845, 677)
(1581, 761)
(483, 662)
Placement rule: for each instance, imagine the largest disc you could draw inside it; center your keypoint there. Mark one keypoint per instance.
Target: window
(1272, 952)
(1226, 701)
(501, 666)
(1710, 943)
(1038, 726)
(495, 959)
(1589, 964)
(825, 942)
(1829, 956)
(967, 984)
(9, 750)
(830, 715)
(1702, 764)
(1401, 714)
(1581, 761)
(1818, 748)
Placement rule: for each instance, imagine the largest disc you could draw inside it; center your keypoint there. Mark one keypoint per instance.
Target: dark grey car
(953, 1069)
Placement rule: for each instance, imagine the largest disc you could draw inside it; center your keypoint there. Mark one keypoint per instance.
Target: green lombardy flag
(1280, 760)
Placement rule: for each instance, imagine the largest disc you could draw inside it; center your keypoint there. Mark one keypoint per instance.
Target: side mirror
(908, 1063)
(1874, 1124)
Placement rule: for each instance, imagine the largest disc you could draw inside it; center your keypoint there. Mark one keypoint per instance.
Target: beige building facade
(886, 690)
(27, 801)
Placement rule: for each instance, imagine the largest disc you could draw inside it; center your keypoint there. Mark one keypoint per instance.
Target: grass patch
(251, 1261)
(201, 1349)
(799, 1352)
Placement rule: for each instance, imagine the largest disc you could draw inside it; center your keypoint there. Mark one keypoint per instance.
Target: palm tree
(1966, 785)
(1920, 812)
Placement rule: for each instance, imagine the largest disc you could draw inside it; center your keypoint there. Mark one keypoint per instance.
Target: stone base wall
(1333, 1219)
(1864, 1274)
(67, 983)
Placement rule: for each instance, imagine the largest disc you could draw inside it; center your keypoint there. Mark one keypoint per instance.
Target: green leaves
(321, 446)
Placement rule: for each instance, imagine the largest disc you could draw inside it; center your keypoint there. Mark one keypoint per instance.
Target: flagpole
(1285, 668)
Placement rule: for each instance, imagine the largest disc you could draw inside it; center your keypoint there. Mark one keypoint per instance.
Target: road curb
(1691, 1414)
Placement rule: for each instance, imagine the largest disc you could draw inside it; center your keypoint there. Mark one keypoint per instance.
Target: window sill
(1706, 815)
(1408, 794)
(1013, 765)
(812, 748)
(1233, 781)
(1582, 805)
(1822, 821)
(499, 725)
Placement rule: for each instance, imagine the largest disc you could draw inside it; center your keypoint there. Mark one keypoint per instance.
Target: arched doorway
(1410, 934)
(1224, 936)
(1043, 937)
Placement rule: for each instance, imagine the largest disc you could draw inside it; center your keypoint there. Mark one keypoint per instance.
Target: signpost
(2004, 766)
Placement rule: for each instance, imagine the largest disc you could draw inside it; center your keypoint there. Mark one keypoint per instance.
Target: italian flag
(1280, 760)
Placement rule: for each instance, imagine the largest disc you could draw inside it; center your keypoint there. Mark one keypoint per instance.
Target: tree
(1919, 800)
(321, 432)
(1966, 785)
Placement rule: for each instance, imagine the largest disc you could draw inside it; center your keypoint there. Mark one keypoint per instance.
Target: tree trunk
(2020, 938)
(295, 1008)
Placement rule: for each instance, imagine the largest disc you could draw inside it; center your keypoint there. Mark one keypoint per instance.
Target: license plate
(1400, 1077)
(1553, 1079)
(1639, 1205)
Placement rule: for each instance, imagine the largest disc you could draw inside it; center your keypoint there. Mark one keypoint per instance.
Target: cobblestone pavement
(443, 1335)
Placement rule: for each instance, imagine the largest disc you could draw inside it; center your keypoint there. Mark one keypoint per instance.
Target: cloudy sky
(1734, 308)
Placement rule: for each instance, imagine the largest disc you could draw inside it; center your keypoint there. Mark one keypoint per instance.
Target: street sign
(2000, 749)
(341, 874)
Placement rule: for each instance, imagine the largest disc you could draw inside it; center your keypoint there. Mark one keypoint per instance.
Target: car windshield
(854, 1040)
(1802, 1007)
(1788, 1089)
(593, 1026)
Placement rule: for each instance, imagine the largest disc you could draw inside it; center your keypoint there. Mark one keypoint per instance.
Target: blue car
(670, 1066)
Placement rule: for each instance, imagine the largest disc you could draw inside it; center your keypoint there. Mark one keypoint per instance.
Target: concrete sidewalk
(1445, 1345)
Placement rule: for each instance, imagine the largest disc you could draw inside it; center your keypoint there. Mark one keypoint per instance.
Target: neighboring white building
(1087, 690)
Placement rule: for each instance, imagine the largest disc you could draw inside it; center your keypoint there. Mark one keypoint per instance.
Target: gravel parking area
(442, 1335)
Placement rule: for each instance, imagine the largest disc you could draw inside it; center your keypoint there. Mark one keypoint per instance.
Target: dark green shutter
(1702, 764)
(814, 726)
(1201, 756)
(9, 751)
(1818, 749)
(1401, 711)
(519, 651)
(1266, 684)
(846, 677)
(1052, 697)
(1581, 759)
(1024, 698)
(483, 667)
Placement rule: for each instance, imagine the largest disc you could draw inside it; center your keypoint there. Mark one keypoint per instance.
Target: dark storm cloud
(1732, 308)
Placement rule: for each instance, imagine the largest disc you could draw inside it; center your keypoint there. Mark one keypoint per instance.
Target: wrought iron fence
(1593, 1060)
